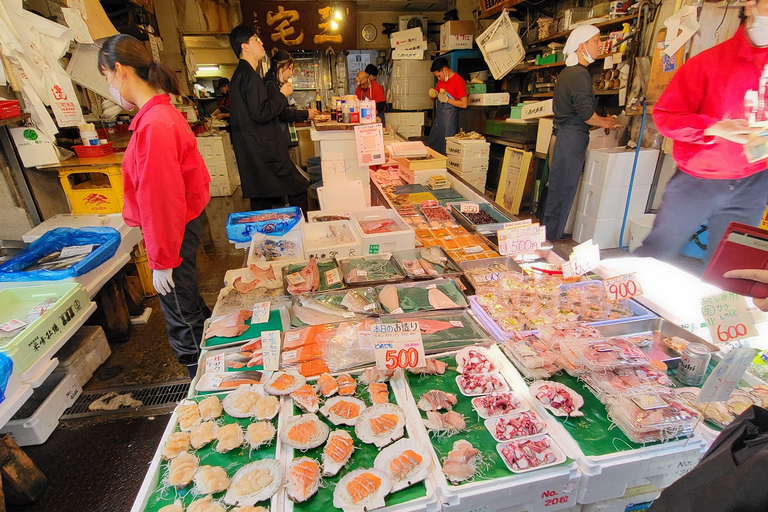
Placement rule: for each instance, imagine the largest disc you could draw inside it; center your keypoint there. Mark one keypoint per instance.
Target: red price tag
(470, 208)
(622, 287)
(398, 345)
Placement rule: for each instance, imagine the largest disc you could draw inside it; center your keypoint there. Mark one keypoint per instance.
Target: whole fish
(322, 306)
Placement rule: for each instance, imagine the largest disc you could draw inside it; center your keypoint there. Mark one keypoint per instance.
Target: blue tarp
(241, 226)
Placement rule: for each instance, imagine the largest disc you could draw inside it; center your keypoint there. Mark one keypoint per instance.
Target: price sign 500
(401, 348)
(402, 358)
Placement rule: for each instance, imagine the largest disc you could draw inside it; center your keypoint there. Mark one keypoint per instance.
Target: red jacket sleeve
(160, 193)
(677, 113)
(378, 93)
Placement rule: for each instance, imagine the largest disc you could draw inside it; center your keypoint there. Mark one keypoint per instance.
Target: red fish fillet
(311, 276)
(263, 273)
(244, 287)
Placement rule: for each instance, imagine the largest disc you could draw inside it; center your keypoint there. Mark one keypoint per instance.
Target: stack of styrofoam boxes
(219, 158)
(410, 83)
(407, 124)
(408, 44)
(469, 159)
(604, 192)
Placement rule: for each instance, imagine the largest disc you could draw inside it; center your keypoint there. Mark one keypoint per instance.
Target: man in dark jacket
(267, 174)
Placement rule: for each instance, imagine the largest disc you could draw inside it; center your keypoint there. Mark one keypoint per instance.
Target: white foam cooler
(82, 355)
(464, 166)
(459, 148)
(378, 243)
(317, 244)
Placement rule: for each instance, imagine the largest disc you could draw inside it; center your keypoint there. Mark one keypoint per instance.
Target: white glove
(432, 93)
(162, 280)
(442, 96)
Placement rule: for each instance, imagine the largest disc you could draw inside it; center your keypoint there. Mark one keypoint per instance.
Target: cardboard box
(537, 110)
(398, 54)
(419, 45)
(410, 36)
(456, 35)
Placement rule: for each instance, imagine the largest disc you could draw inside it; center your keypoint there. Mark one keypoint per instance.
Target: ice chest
(467, 149)
(34, 423)
(378, 243)
(71, 304)
(468, 165)
(84, 353)
(317, 240)
(420, 177)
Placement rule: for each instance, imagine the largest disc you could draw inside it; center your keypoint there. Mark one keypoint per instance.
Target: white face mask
(587, 57)
(126, 105)
(758, 32)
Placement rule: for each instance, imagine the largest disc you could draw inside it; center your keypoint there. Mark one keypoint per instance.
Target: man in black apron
(451, 94)
(574, 108)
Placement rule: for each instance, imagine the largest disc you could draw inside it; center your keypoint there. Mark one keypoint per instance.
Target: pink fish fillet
(263, 273)
(311, 275)
(226, 332)
(433, 326)
(427, 266)
(244, 287)
(232, 319)
(439, 300)
(252, 346)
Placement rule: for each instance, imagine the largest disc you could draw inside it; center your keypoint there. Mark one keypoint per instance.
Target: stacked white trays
(379, 243)
(409, 83)
(604, 191)
(608, 477)
(469, 159)
(407, 124)
(219, 158)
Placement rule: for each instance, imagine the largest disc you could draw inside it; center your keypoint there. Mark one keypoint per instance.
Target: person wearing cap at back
(574, 108)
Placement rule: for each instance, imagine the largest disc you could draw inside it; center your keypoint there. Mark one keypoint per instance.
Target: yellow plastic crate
(102, 192)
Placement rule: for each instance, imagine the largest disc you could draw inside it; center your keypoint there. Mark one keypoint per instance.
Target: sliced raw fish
(347, 385)
(306, 398)
(379, 392)
(311, 276)
(343, 410)
(433, 367)
(226, 332)
(267, 274)
(235, 318)
(337, 452)
(371, 375)
(448, 423)
(439, 300)
(243, 287)
(406, 462)
(435, 400)
(461, 463)
(432, 326)
(327, 385)
(361, 490)
(303, 479)
(356, 302)
(389, 298)
(427, 267)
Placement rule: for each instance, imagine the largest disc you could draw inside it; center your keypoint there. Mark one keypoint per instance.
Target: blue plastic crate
(242, 225)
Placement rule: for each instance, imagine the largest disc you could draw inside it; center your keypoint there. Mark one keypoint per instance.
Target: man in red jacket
(704, 110)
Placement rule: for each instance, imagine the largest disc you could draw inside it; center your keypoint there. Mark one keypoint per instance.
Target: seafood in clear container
(481, 383)
(529, 454)
(379, 393)
(182, 470)
(259, 433)
(405, 462)
(434, 255)
(304, 432)
(210, 408)
(621, 380)
(715, 412)
(343, 410)
(518, 425)
(448, 423)
(473, 360)
(498, 404)
(357, 302)
(435, 400)
(439, 300)
(606, 354)
(461, 463)
(658, 415)
(306, 398)
(432, 367)
(740, 401)
(176, 443)
(327, 385)
(361, 490)
(188, 415)
(205, 504)
(533, 356)
(347, 385)
(210, 479)
(380, 424)
(203, 434)
(229, 437)
(303, 479)
(557, 398)
(310, 279)
(569, 331)
(255, 482)
(337, 451)
(284, 383)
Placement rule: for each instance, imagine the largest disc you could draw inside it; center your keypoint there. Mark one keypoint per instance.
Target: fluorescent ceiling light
(208, 68)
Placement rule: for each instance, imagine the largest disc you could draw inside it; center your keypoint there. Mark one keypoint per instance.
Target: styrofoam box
(612, 167)
(467, 148)
(404, 37)
(411, 101)
(61, 390)
(223, 187)
(474, 176)
(420, 177)
(609, 203)
(410, 131)
(632, 503)
(537, 109)
(378, 243)
(467, 165)
(399, 54)
(407, 86)
(604, 232)
(544, 134)
(214, 147)
(488, 99)
(311, 216)
(316, 242)
(608, 477)
(412, 69)
(82, 355)
(295, 235)
(405, 118)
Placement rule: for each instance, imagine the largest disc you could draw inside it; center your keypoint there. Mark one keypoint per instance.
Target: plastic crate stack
(469, 159)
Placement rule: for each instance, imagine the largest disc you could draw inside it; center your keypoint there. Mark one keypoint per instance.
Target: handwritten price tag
(332, 276)
(398, 345)
(12, 325)
(522, 239)
(270, 346)
(727, 317)
(260, 313)
(726, 376)
(470, 208)
(585, 257)
(75, 250)
(622, 287)
(516, 223)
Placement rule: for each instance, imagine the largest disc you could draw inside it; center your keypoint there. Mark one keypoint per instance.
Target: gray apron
(446, 125)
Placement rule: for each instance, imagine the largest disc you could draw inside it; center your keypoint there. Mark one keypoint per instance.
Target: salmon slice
(363, 486)
(313, 368)
(304, 474)
(383, 423)
(306, 396)
(302, 354)
(404, 464)
(379, 393)
(251, 346)
(345, 409)
(302, 432)
(327, 385)
(338, 448)
(282, 382)
(347, 385)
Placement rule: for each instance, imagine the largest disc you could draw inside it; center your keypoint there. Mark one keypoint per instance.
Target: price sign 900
(622, 287)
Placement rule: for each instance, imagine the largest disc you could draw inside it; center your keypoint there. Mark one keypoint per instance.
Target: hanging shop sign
(297, 25)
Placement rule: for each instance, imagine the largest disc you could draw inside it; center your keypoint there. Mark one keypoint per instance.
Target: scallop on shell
(353, 492)
(259, 433)
(304, 432)
(255, 482)
(380, 424)
(241, 403)
(187, 414)
(229, 437)
(177, 443)
(210, 408)
(405, 462)
(284, 383)
(343, 410)
(211, 479)
(182, 470)
(303, 479)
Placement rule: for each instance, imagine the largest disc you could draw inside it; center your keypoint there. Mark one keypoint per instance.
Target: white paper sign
(727, 317)
(75, 21)
(585, 257)
(398, 345)
(75, 250)
(726, 376)
(270, 346)
(523, 239)
(260, 313)
(622, 287)
(369, 140)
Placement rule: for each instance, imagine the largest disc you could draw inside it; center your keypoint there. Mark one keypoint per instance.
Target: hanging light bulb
(337, 15)
(334, 25)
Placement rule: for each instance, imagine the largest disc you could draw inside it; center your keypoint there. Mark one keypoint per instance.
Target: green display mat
(362, 457)
(161, 496)
(415, 298)
(274, 323)
(492, 466)
(323, 267)
(392, 274)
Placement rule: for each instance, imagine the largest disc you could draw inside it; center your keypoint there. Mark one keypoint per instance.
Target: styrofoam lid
(75, 220)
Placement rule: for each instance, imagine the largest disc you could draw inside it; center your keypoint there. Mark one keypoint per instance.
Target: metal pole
(19, 177)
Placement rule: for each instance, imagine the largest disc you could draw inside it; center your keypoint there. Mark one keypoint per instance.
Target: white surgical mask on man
(587, 57)
(758, 32)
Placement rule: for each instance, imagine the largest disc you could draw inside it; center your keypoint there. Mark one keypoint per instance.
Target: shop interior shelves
(616, 22)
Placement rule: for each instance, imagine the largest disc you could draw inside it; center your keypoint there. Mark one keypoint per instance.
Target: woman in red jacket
(165, 187)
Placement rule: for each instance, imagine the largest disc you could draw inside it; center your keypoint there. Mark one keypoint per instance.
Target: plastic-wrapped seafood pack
(444, 330)
(622, 380)
(654, 415)
(426, 263)
(312, 276)
(570, 331)
(531, 355)
(435, 295)
(599, 355)
(487, 271)
(516, 426)
(236, 328)
(370, 270)
(334, 307)
(722, 414)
